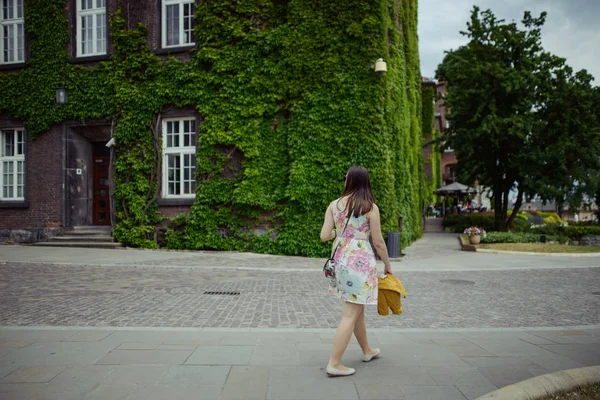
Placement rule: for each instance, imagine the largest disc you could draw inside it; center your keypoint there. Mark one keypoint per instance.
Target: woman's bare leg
(360, 331)
(344, 333)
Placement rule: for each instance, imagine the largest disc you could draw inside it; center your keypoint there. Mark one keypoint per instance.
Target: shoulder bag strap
(342, 234)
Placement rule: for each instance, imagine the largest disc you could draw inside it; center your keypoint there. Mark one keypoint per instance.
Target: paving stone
(554, 363)
(387, 338)
(457, 376)
(504, 376)
(586, 354)
(221, 355)
(379, 374)
(37, 335)
(57, 353)
(275, 355)
(182, 347)
(4, 371)
(155, 357)
(33, 375)
(139, 346)
(468, 350)
(176, 392)
(195, 375)
(88, 336)
(87, 374)
(134, 374)
(14, 345)
(291, 383)
(112, 392)
(246, 383)
(509, 347)
(497, 361)
(419, 355)
(22, 391)
(568, 337)
(238, 339)
(474, 392)
(379, 391)
(432, 393)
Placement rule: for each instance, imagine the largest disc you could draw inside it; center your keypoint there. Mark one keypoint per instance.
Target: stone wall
(590, 240)
(28, 235)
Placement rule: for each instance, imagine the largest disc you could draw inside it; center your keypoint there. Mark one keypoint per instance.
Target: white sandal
(369, 357)
(336, 372)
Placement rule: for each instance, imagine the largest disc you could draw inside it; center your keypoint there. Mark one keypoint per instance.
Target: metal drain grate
(458, 282)
(223, 293)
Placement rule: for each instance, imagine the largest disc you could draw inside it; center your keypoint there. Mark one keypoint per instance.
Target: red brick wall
(173, 211)
(43, 184)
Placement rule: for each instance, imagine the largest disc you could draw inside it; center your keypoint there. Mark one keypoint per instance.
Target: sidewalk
(433, 252)
(277, 364)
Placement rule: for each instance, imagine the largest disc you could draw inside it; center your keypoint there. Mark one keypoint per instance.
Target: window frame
(163, 24)
(94, 12)
(181, 151)
(14, 159)
(15, 22)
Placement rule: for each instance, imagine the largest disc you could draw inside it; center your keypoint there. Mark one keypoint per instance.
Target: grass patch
(541, 248)
(586, 393)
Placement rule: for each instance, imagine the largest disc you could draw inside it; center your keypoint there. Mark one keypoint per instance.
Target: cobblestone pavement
(155, 297)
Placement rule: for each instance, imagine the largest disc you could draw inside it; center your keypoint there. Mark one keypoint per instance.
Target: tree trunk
(498, 218)
(515, 210)
(504, 210)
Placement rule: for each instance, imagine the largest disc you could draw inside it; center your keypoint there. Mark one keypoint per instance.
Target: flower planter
(475, 239)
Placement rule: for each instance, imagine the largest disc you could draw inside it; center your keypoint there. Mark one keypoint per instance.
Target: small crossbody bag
(329, 267)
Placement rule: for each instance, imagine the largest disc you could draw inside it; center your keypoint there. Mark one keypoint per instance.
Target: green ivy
(288, 101)
(431, 136)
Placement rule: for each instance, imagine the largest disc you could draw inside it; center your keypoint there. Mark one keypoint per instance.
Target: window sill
(86, 59)
(174, 50)
(14, 204)
(13, 66)
(176, 202)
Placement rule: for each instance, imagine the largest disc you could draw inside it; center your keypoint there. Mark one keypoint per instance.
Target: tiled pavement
(77, 363)
(110, 329)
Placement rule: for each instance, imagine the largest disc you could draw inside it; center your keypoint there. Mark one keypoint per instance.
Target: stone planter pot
(475, 239)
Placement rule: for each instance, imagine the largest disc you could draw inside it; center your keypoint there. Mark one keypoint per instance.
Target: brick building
(62, 178)
(441, 124)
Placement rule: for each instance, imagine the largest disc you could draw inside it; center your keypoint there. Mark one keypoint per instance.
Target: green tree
(517, 113)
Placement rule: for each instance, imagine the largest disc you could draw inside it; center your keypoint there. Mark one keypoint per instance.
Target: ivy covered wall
(288, 100)
(430, 138)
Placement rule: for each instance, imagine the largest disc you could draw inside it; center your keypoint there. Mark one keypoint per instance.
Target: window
(12, 164)
(177, 22)
(91, 27)
(179, 162)
(13, 32)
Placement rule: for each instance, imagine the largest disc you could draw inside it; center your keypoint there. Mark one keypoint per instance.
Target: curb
(466, 246)
(549, 384)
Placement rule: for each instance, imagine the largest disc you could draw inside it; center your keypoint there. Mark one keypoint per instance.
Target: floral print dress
(355, 264)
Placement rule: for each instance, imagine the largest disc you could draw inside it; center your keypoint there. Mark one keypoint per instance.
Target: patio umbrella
(455, 188)
(452, 190)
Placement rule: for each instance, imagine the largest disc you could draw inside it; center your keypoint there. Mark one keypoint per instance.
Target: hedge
(513, 237)
(459, 222)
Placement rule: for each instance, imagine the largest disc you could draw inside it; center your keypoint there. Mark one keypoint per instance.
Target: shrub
(459, 222)
(513, 237)
(550, 217)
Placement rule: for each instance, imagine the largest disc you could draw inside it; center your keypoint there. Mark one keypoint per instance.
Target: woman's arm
(328, 229)
(378, 242)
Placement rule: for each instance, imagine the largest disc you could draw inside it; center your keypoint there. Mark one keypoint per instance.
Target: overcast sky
(571, 31)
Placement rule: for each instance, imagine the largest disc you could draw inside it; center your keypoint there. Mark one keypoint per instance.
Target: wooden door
(101, 203)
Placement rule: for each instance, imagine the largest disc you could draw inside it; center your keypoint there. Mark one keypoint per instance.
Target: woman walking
(351, 220)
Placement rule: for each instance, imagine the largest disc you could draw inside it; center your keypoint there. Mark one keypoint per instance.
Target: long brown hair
(359, 192)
